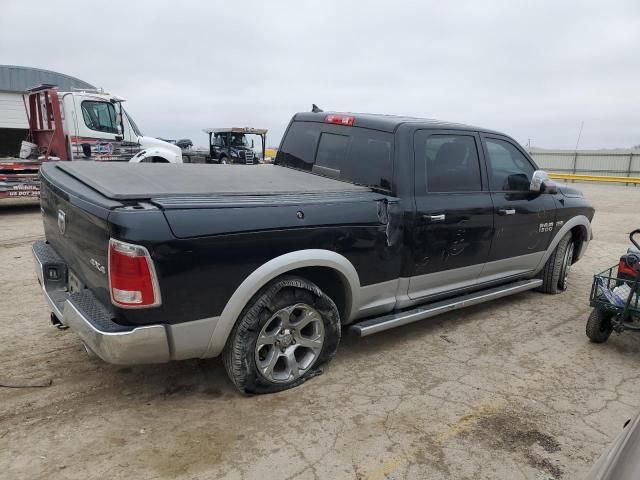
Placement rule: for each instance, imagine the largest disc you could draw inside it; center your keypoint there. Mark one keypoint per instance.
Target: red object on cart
(629, 266)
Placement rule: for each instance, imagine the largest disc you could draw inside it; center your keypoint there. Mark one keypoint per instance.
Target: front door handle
(435, 218)
(507, 211)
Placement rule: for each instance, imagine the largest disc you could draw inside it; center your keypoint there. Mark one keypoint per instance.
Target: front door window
(509, 170)
(100, 116)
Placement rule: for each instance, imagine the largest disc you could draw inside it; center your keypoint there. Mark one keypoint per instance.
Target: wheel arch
(147, 155)
(581, 236)
(580, 229)
(323, 267)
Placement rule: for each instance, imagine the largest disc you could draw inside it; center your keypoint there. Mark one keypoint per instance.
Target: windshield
(135, 128)
(239, 140)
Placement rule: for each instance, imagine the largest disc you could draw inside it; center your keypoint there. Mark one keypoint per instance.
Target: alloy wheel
(289, 343)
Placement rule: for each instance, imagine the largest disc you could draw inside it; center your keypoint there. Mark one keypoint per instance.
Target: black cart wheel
(555, 273)
(599, 326)
(286, 332)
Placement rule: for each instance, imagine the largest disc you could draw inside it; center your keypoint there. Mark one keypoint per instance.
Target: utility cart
(615, 296)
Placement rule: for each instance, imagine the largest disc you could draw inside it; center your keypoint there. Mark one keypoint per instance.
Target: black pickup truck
(365, 221)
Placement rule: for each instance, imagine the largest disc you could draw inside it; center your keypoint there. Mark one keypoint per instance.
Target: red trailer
(19, 177)
(82, 125)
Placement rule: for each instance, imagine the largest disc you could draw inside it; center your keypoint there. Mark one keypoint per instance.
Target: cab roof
(388, 123)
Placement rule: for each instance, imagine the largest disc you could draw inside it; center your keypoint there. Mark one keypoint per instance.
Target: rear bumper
(86, 316)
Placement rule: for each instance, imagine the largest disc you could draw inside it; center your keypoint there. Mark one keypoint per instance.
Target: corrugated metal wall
(14, 81)
(19, 79)
(12, 111)
(589, 162)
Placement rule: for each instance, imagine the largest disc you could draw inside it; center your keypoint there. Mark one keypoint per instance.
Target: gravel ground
(506, 390)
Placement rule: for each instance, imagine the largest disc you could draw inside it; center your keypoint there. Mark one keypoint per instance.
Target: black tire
(240, 355)
(555, 272)
(599, 326)
(223, 160)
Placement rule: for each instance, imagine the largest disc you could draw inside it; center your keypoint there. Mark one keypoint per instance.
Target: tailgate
(78, 231)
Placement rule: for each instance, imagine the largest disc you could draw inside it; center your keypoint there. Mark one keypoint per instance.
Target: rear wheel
(283, 336)
(555, 273)
(599, 326)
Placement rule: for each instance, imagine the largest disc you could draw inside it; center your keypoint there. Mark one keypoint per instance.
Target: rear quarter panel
(198, 275)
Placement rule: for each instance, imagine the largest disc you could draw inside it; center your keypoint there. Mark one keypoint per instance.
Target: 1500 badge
(545, 227)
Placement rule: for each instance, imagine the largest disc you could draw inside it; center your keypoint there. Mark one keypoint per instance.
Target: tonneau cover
(129, 181)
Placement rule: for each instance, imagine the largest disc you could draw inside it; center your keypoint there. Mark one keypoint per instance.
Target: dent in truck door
(524, 220)
(453, 224)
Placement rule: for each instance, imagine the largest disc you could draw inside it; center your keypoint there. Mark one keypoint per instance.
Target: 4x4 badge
(62, 222)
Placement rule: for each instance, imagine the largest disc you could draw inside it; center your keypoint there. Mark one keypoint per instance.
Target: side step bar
(392, 320)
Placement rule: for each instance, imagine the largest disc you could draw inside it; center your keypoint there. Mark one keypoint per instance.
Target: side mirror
(541, 183)
(252, 143)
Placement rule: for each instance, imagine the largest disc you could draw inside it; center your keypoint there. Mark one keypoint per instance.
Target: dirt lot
(510, 389)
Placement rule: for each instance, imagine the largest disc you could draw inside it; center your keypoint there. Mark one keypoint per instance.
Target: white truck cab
(97, 127)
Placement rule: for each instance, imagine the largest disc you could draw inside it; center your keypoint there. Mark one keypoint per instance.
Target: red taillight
(132, 276)
(340, 120)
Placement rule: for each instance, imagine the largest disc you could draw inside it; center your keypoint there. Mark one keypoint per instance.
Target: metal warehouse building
(14, 82)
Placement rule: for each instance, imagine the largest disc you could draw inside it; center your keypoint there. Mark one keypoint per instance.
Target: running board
(386, 322)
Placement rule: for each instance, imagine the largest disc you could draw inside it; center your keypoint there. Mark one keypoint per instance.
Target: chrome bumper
(86, 316)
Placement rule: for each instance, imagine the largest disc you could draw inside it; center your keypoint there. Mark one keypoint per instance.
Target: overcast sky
(534, 70)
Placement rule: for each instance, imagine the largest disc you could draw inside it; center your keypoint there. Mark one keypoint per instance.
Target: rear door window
(450, 162)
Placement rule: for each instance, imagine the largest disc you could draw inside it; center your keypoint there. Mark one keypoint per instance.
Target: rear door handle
(507, 211)
(435, 218)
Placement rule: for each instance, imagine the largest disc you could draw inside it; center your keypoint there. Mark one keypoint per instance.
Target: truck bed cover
(130, 181)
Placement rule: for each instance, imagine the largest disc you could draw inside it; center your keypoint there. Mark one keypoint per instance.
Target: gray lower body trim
(510, 267)
(435, 283)
(375, 325)
(191, 339)
(377, 299)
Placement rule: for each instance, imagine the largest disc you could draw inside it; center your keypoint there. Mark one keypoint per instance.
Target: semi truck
(78, 125)
(227, 145)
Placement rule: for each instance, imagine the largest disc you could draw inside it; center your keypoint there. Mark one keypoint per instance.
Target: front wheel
(599, 326)
(283, 336)
(555, 273)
